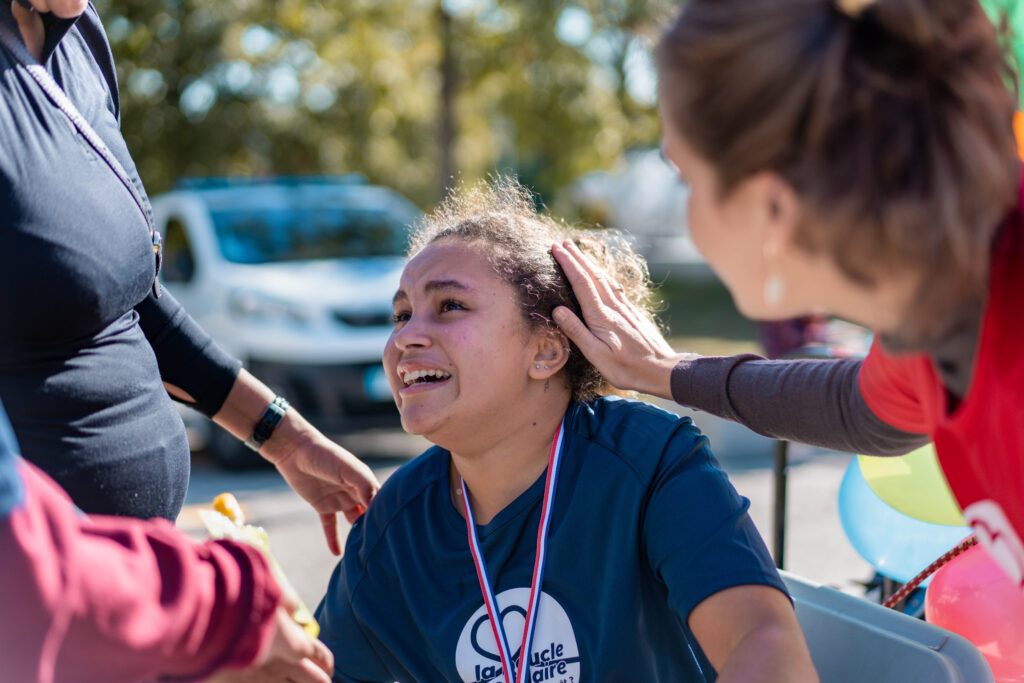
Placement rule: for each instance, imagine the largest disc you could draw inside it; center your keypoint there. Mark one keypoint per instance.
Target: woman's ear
(781, 211)
(550, 355)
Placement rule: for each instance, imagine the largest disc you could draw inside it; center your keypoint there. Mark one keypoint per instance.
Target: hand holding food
(226, 520)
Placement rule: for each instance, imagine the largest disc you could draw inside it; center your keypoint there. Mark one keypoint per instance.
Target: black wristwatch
(272, 416)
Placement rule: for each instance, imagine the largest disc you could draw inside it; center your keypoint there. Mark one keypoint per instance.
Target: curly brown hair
(502, 215)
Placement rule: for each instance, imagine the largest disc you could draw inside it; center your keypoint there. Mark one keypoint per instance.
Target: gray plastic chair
(857, 641)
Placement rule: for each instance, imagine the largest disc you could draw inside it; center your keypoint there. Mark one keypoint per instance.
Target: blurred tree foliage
(539, 87)
(1008, 15)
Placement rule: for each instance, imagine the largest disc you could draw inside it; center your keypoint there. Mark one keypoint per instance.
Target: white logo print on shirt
(995, 532)
(555, 656)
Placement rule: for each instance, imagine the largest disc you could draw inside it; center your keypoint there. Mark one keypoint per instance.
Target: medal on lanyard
(516, 672)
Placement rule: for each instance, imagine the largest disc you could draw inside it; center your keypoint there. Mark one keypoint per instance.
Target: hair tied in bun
(853, 8)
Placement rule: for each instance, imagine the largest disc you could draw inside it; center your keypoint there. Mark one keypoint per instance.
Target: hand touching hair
(504, 216)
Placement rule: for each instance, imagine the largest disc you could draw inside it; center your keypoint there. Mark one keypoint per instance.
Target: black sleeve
(187, 356)
(817, 402)
(91, 28)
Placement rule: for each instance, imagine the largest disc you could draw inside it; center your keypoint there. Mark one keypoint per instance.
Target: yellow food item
(226, 520)
(227, 505)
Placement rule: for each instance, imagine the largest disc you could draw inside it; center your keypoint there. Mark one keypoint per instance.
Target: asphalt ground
(816, 547)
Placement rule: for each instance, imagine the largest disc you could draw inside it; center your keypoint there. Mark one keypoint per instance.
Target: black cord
(26, 4)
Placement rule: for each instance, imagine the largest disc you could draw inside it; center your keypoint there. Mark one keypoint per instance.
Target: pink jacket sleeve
(118, 599)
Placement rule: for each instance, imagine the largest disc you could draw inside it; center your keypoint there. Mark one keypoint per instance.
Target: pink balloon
(973, 596)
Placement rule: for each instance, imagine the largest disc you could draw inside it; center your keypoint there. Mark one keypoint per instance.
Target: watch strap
(271, 417)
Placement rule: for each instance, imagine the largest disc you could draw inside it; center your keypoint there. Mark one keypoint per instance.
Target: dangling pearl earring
(774, 287)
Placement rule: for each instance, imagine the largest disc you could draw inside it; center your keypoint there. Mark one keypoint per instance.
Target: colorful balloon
(972, 596)
(895, 544)
(914, 485)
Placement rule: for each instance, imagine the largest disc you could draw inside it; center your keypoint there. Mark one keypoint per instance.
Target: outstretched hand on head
(625, 346)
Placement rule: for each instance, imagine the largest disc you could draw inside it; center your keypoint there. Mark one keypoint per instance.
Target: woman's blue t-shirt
(645, 526)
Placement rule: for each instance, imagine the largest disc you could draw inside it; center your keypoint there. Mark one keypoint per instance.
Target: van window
(295, 224)
(179, 264)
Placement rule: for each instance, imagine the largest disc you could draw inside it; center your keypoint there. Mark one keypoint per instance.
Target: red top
(117, 599)
(981, 443)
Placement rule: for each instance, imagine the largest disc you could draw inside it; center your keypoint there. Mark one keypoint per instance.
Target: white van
(294, 276)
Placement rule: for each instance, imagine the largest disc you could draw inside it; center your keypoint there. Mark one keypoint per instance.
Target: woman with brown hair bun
(855, 157)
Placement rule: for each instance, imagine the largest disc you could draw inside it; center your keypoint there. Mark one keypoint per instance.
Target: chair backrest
(857, 641)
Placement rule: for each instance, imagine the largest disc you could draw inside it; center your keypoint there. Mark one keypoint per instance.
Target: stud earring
(545, 367)
(537, 366)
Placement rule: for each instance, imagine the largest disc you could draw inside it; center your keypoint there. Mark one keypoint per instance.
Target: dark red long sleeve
(118, 599)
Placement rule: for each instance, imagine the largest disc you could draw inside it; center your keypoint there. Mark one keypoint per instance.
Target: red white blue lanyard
(516, 672)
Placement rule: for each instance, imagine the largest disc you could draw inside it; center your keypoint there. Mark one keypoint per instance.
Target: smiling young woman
(450, 308)
(595, 534)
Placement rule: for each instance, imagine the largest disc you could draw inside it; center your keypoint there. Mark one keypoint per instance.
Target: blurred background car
(642, 196)
(293, 275)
